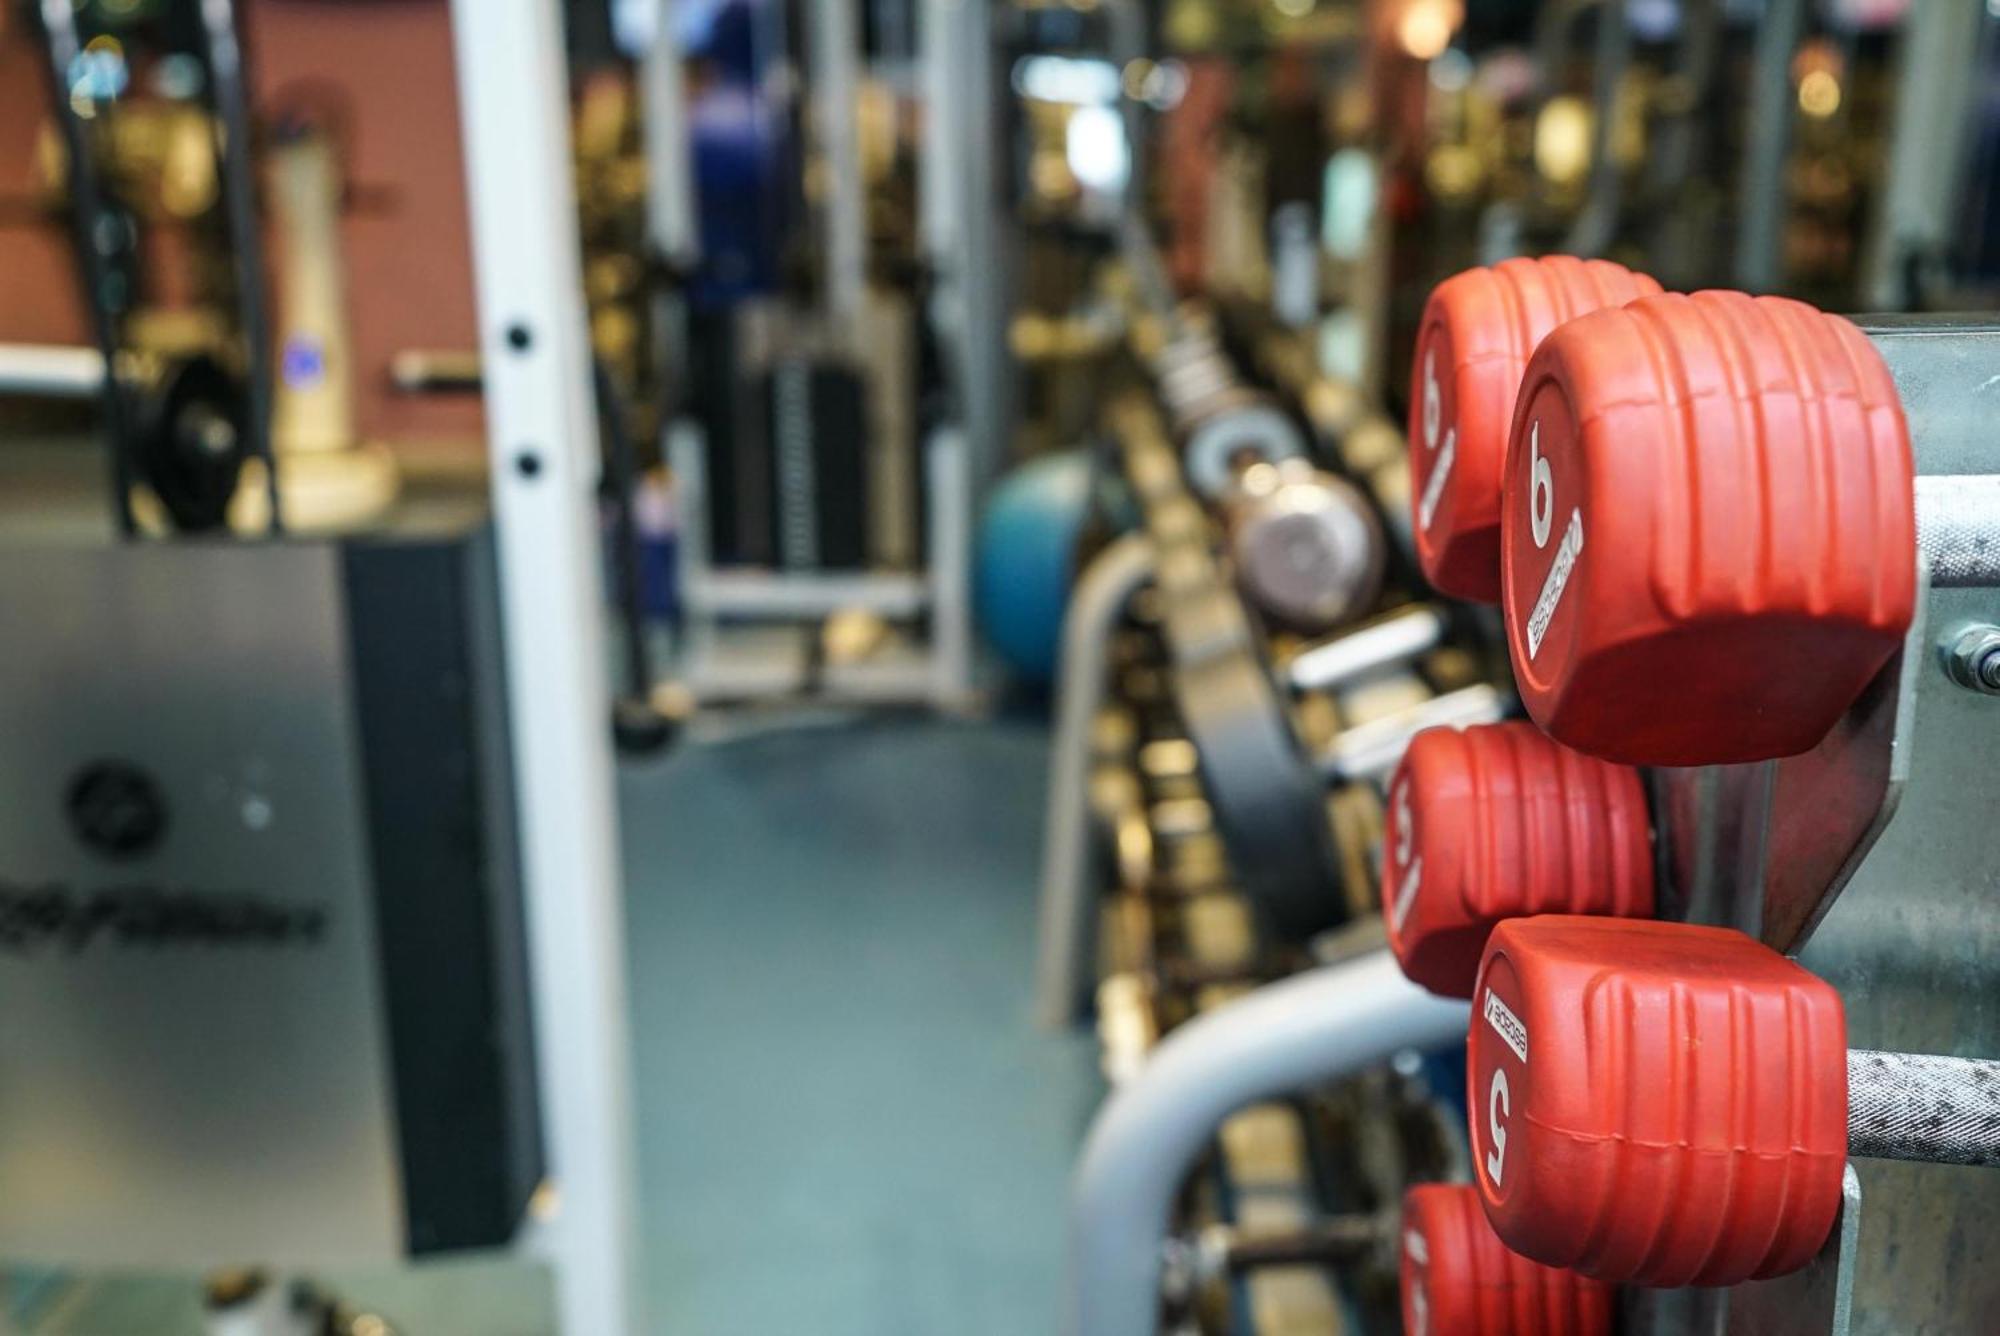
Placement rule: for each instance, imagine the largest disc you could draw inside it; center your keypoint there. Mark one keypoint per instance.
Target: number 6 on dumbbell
(1709, 532)
(1477, 333)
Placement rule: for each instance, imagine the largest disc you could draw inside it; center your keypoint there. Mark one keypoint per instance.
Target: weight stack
(817, 424)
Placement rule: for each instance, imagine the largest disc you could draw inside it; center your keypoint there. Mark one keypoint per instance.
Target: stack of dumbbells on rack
(1242, 674)
(1733, 539)
(1718, 902)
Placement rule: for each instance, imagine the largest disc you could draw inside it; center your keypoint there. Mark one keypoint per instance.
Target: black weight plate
(1268, 798)
(192, 441)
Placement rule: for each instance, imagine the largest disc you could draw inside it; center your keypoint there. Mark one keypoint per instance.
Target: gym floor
(849, 1124)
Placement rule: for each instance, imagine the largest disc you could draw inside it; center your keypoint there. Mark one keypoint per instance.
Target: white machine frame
(542, 438)
(542, 441)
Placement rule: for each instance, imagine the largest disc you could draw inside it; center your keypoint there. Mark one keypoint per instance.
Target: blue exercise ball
(1025, 559)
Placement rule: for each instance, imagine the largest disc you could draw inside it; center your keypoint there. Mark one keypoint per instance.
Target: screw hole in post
(528, 464)
(519, 338)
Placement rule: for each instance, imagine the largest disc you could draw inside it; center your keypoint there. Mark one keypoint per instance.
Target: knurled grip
(1958, 529)
(1911, 1106)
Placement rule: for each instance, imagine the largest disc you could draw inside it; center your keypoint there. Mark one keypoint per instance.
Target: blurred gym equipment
(1665, 563)
(1522, 664)
(266, 874)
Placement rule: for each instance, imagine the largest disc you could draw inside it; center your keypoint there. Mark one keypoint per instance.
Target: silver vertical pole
(542, 436)
(670, 216)
(1761, 208)
(938, 199)
(1935, 92)
(835, 35)
(963, 240)
(1597, 224)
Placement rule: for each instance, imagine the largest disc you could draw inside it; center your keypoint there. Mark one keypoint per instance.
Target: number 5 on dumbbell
(1664, 1104)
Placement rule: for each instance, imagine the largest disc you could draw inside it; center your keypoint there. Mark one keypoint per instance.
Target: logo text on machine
(57, 917)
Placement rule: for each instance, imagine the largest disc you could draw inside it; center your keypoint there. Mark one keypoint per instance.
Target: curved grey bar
(1069, 902)
(1314, 1027)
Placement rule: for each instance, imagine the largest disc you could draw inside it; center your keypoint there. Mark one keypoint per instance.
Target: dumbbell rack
(1872, 857)
(1862, 855)
(1180, 941)
(1183, 946)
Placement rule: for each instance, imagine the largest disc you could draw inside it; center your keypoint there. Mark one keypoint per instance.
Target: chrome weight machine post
(542, 436)
(238, 164)
(93, 248)
(671, 225)
(964, 241)
(961, 244)
(1597, 225)
(1938, 84)
(1761, 194)
(1067, 925)
(833, 44)
(1313, 1028)
(954, 671)
(673, 230)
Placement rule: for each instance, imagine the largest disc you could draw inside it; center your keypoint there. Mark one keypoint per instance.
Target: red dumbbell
(1708, 539)
(1664, 1104)
(1477, 333)
(1499, 822)
(1459, 1279)
(1656, 1103)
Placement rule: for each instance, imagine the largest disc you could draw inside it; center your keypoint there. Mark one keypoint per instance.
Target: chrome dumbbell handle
(1224, 1251)
(1361, 653)
(50, 371)
(1371, 751)
(1913, 1106)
